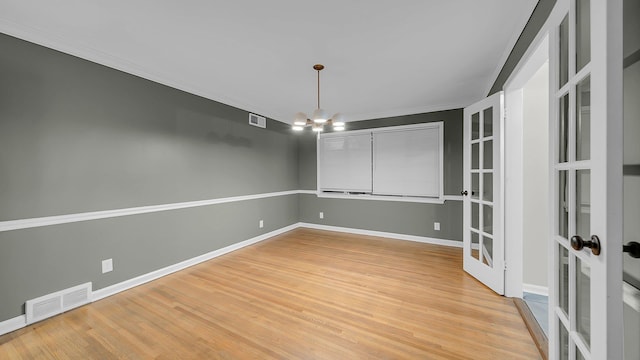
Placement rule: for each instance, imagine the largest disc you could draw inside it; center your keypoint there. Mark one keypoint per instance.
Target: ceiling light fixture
(320, 118)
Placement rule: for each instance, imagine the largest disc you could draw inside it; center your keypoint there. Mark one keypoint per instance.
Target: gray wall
(76, 137)
(388, 216)
(531, 29)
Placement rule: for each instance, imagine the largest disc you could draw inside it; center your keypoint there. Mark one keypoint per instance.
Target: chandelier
(320, 117)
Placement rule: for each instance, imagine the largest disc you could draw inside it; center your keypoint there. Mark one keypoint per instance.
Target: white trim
(426, 200)
(453, 198)
(14, 324)
(421, 239)
(535, 289)
(142, 279)
(105, 214)
(95, 215)
(534, 57)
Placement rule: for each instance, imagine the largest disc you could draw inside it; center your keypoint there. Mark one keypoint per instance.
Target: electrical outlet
(107, 265)
(436, 226)
(261, 224)
(321, 215)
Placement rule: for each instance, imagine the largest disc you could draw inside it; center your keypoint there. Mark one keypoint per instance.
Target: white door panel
(586, 180)
(483, 245)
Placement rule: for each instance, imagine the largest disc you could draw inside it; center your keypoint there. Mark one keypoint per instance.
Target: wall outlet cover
(107, 265)
(436, 226)
(261, 224)
(321, 215)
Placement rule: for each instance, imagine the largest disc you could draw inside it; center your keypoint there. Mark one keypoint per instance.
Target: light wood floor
(306, 294)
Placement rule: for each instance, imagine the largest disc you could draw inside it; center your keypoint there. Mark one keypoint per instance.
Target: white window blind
(345, 162)
(407, 162)
(391, 162)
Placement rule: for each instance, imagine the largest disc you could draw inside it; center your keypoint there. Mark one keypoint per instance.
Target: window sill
(413, 199)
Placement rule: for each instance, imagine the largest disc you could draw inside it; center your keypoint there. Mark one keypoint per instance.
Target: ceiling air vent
(258, 121)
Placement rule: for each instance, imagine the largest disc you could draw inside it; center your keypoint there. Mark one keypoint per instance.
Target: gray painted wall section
(390, 216)
(39, 261)
(76, 137)
(387, 216)
(536, 21)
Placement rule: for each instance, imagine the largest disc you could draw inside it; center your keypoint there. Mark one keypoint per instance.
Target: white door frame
(513, 182)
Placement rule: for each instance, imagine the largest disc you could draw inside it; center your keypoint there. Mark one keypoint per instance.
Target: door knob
(464, 193)
(633, 248)
(578, 243)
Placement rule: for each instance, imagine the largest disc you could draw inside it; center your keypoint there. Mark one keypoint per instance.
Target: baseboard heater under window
(58, 302)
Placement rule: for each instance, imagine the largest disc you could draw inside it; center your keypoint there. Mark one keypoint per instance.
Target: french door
(483, 246)
(586, 176)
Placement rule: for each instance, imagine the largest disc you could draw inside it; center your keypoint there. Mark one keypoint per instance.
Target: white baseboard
(20, 321)
(422, 239)
(535, 289)
(142, 279)
(14, 324)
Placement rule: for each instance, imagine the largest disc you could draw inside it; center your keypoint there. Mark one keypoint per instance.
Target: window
(395, 163)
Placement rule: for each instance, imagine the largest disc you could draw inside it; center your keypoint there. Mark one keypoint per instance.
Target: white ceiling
(382, 57)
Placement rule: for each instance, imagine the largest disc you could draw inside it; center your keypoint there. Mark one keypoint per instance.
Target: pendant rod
(318, 67)
(318, 89)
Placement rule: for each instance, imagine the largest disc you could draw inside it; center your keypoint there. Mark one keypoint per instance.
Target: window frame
(440, 199)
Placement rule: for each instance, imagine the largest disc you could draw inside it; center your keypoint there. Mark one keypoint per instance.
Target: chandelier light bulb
(320, 116)
(300, 119)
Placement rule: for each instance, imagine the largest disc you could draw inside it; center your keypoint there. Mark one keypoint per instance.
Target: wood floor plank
(305, 294)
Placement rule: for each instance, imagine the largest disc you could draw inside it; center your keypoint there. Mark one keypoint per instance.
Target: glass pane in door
(475, 185)
(487, 251)
(487, 115)
(583, 303)
(475, 156)
(563, 205)
(488, 155)
(583, 33)
(583, 203)
(475, 216)
(487, 187)
(564, 52)
(487, 219)
(475, 245)
(564, 342)
(563, 130)
(563, 291)
(583, 119)
(475, 126)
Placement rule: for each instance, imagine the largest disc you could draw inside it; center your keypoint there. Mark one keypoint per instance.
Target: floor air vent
(258, 121)
(57, 303)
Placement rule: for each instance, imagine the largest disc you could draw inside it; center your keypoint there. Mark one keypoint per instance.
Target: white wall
(536, 170)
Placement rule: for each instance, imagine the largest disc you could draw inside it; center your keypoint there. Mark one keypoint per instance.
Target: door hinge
(505, 266)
